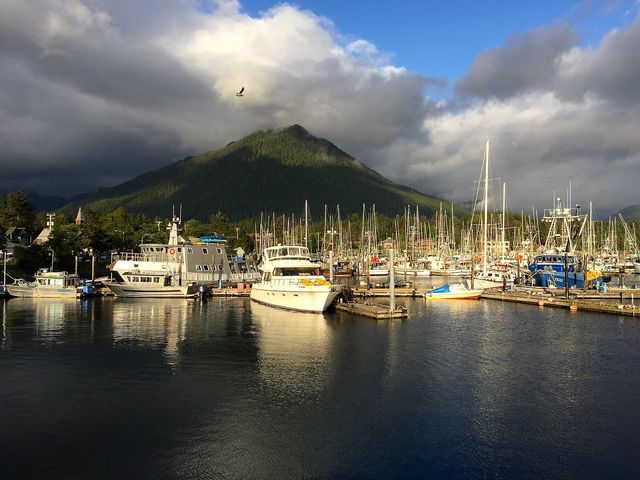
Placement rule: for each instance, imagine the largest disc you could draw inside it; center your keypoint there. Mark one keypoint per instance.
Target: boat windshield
(297, 271)
(275, 252)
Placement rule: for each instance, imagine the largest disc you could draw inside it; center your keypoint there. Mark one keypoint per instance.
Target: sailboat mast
(306, 224)
(486, 201)
(504, 203)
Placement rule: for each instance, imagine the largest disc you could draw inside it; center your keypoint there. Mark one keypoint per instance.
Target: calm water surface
(229, 389)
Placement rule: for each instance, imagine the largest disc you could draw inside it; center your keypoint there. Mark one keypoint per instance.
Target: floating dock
(601, 304)
(371, 310)
(360, 292)
(229, 292)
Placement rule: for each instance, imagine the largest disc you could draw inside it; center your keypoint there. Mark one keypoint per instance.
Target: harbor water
(226, 388)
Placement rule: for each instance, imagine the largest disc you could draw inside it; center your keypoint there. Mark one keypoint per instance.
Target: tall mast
(504, 203)
(453, 229)
(486, 201)
(306, 224)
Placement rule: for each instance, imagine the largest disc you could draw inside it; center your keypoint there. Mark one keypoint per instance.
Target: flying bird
(239, 94)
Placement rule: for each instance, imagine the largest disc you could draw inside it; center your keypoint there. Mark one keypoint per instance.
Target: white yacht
(290, 280)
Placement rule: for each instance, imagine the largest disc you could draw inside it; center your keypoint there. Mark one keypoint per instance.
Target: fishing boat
(456, 291)
(559, 266)
(418, 268)
(496, 275)
(440, 267)
(151, 285)
(291, 281)
(48, 285)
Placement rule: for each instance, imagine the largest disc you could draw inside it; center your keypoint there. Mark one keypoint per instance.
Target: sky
(95, 92)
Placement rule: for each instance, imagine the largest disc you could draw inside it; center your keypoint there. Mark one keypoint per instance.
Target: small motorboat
(453, 292)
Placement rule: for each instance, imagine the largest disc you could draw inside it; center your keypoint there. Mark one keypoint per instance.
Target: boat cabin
(554, 262)
(286, 253)
(55, 279)
(150, 279)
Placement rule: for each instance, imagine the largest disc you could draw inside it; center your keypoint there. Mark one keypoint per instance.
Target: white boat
(151, 285)
(290, 280)
(47, 285)
(378, 269)
(419, 268)
(455, 291)
(497, 275)
(204, 261)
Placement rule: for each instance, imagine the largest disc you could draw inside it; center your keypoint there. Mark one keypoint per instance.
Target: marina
(247, 239)
(174, 388)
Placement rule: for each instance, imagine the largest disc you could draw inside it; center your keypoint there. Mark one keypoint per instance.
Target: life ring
(172, 251)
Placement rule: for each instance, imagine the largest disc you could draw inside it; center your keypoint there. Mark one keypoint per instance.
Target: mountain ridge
(266, 171)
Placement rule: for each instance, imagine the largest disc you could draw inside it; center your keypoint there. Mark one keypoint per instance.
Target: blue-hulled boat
(548, 270)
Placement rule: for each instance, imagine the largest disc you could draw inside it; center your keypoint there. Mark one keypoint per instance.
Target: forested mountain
(631, 213)
(267, 171)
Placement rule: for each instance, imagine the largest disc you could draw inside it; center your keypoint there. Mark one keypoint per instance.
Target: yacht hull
(125, 290)
(309, 299)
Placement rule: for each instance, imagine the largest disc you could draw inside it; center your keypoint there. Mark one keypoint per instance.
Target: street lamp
(89, 251)
(53, 254)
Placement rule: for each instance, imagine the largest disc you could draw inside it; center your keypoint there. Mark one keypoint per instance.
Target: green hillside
(267, 171)
(631, 213)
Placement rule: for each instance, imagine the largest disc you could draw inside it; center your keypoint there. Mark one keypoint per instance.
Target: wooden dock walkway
(543, 298)
(371, 310)
(360, 292)
(229, 292)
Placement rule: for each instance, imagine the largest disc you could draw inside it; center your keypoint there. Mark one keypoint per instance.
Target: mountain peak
(267, 171)
(296, 129)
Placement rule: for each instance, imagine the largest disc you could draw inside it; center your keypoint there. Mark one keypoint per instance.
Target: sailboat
(495, 274)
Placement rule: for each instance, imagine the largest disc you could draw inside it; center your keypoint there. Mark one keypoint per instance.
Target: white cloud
(127, 87)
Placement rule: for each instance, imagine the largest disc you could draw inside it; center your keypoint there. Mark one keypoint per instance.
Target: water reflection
(156, 323)
(293, 352)
(3, 309)
(50, 318)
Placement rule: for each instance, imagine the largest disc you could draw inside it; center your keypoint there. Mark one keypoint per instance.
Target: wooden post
(331, 266)
(392, 282)
(566, 275)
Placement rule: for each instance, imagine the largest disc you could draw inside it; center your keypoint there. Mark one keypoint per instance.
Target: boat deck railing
(142, 257)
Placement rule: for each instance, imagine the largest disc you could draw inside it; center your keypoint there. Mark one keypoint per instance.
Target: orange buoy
(540, 303)
(573, 308)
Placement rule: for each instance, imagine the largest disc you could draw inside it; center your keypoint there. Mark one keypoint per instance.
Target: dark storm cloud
(524, 63)
(610, 72)
(117, 89)
(95, 92)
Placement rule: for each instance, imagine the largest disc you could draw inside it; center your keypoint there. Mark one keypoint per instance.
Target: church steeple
(79, 217)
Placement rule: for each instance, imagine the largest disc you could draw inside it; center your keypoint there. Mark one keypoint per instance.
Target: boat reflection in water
(51, 316)
(158, 323)
(294, 352)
